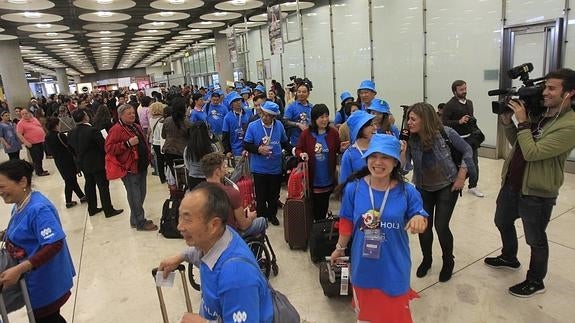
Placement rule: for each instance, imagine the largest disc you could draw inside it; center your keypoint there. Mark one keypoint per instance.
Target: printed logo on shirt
(240, 317)
(320, 152)
(47, 233)
(215, 114)
(390, 225)
(303, 118)
(211, 314)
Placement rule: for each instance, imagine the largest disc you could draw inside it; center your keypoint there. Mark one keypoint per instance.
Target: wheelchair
(265, 256)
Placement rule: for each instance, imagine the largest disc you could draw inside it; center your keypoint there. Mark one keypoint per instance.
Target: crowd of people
(111, 135)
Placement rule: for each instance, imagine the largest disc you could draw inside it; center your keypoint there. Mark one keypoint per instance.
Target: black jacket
(88, 143)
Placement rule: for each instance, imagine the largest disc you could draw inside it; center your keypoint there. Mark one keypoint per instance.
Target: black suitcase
(335, 280)
(323, 238)
(169, 220)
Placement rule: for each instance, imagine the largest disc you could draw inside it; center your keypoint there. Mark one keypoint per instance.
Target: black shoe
(498, 262)
(446, 270)
(114, 213)
(147, 221)
(274, 220)
(71, 204)
(44, 173)
(94, 212)
(423, 267)
(84, 199)
(527, 289)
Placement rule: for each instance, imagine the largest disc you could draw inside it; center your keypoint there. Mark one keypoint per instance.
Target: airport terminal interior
(412, 49)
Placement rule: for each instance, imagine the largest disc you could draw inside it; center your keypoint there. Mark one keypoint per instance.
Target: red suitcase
(297, 211)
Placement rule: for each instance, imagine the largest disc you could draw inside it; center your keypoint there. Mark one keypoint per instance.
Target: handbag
(72, 152)
(12, 296)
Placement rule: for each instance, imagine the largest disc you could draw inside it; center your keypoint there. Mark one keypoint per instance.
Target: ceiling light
(105, 32)
(29, 14)
(166, 13)
(104, 14)
(220, 14)
(152, 31)
(158, 23)
(205, 23)
(105, 38)
(43, 26)
(238, 2)
(104, 1)
(18, 1)
(51, 34)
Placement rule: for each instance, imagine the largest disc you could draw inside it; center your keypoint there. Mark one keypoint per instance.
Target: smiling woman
(35, 238)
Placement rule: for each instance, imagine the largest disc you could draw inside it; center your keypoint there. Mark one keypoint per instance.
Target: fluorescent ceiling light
(104, 1)
(166, 13)
(43, 26)
(220, 14)
(18, 1)
(176, 1)
(105, 32)
(51, 34)
(29, 14)
(158, 23)
(238, 2)
(104, 14)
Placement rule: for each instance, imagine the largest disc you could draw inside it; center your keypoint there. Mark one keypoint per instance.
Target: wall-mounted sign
(231, 35)
(275, 29)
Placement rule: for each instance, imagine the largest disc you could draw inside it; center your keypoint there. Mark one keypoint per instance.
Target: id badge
(240, 133)
(372, 243)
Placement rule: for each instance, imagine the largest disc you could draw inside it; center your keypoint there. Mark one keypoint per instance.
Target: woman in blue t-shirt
(35, 238)
(361, 128)
(264, 140)
(378, 208)
(319, 144)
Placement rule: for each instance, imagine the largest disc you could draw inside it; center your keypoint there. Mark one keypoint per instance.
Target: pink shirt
(144, 118)
(32, 130)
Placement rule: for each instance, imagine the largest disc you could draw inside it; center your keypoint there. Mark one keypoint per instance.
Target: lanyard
(271, 132)
(240, 118)
(361, 154)
(384, 199)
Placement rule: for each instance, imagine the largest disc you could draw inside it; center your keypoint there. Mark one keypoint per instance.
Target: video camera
(297, 81)
(531, 92)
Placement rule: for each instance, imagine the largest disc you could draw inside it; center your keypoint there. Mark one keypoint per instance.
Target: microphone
(501, 91)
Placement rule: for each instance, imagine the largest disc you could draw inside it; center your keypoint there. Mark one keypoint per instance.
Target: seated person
(243, 220)
(230, 277)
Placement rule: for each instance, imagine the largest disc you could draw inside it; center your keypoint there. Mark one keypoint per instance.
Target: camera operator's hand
(464, 119)
(518, 109)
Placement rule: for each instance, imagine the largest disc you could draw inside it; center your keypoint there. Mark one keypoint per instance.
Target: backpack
(169, 220)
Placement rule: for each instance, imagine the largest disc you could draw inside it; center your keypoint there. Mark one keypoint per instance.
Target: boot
(447, 269)
(424, 267)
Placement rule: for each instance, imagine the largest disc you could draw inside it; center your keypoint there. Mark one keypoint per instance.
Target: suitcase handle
(182, 269)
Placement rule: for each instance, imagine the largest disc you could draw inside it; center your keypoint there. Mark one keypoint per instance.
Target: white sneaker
(475, 191)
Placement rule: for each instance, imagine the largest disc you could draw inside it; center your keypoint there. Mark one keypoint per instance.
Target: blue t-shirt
(390, 273)
(198, 116)
(321, 176)
(255, 134)
(236, 125)
(8, 132)
(235, 287)
(297, 112)
(351, 162)
(216, 114)
(35, 226)
(339, 117)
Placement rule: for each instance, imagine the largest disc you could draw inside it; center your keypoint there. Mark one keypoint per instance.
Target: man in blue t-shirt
(232, 284)
(235, 125)
(297, 115)
(216, 112)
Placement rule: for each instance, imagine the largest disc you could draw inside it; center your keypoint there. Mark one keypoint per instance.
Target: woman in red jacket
(127, 143)
(319, 145)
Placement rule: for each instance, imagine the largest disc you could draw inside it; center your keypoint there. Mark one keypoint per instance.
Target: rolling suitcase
(335, 280)
(182, 270)
(323, 238)
(297, 212)
(25, 296)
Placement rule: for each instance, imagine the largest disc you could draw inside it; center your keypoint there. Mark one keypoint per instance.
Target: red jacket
(306, 143)
(116, 145)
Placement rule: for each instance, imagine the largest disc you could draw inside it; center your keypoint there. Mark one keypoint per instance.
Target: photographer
(532, 175)
(457, 114)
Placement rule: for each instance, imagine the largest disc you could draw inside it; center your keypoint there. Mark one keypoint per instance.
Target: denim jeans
(259, 226)
(535, 213)
(439, 205)
(135, 185)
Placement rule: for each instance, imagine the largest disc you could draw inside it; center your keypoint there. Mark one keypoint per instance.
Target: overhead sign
(275, 29)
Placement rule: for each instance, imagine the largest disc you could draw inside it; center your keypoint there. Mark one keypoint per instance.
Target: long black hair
(199, 143)
(178, 111)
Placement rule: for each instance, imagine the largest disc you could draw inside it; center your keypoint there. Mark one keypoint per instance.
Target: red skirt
(374, 306)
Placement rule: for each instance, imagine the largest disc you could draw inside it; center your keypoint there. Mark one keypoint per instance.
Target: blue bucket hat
(232, 96)
(246, 90)
(271, 108)
(379, 105)
(367, 85)
(384, 144)
(260, 88)
(356, 121)
(344, 96)
(216, 92)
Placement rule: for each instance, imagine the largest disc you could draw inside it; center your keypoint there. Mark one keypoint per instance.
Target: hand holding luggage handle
(182, 269)
(29, 310)
(344, 285)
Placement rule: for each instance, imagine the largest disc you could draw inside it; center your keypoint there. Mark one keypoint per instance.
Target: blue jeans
(135, 185)
(259, 226)
(535, 213)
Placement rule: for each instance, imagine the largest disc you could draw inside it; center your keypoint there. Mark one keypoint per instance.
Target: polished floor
(114, 282)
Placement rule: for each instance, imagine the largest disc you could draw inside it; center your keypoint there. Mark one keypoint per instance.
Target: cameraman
(532, 175)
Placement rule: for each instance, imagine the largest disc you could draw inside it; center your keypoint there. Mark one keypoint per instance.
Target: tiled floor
(114, 283)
